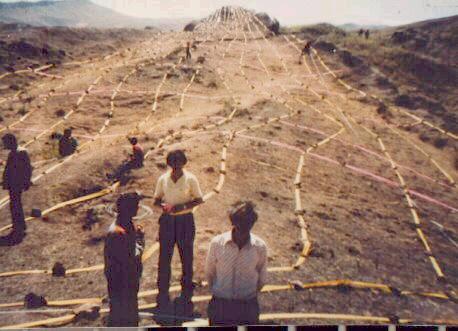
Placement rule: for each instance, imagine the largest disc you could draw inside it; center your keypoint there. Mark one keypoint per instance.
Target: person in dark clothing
(16, 179)
(177, 192)
(366, 34)
(135, 160)
(188, 50)
(124, 246)
(305, 50)
(67, 144)
(360, 32)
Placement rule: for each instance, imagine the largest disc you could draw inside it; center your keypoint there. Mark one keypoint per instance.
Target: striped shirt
(235, 273)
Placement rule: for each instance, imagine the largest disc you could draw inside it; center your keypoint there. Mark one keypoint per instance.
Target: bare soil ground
(360, 225)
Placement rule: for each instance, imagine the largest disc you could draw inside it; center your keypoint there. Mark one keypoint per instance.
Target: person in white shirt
(236, 269)
(177, 192)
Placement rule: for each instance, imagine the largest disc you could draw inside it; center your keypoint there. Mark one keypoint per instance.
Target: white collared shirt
(184, 190)
(235, 273)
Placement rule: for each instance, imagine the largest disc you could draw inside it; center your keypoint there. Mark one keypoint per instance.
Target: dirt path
(350, 201)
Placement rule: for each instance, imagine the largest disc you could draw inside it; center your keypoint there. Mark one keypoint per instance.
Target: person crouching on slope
(177, 192)
(124, 246)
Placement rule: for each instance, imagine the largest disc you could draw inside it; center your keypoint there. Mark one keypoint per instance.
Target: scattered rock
(31, 300)
(58, 270)
(190, 26)
(161, 165)
(353, 250)
(440, 142)
(405, 101)
(14, 87)
(322, 252)
(35, 212)
(60, 113)
(298, 246)
(383, 110)
(88, 311)
(210, 170)
(264, 194)
(200, 59)
(212, 84)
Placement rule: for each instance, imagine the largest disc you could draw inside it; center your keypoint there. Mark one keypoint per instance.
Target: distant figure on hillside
(188, 50)
(123, 250)
(305, 51)
(177, 193)
(236, 269)
(67, 144)
(360, 32)
(137, 157)
(366, 34)
(16, 179)
(135, 160)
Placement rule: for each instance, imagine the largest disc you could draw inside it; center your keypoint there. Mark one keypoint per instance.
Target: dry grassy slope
(22, 45)
(360, 228)
(413, 65)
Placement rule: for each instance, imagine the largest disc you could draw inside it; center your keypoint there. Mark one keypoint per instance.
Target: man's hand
(27, 186)
(167, 208)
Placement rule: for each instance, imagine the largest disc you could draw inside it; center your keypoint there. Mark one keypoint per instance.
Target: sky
(290, 12)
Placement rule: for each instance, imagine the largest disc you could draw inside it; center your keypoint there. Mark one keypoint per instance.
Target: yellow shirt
(184, 190)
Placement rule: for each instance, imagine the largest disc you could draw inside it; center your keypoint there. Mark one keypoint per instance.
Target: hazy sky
(391, 12)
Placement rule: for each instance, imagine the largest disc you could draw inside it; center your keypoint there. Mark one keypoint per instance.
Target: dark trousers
(188, 54)
(233, 312)
(173, 230)
(123, 306)
(17, 212)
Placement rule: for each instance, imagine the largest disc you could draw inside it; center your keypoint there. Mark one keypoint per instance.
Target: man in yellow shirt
(177, 192)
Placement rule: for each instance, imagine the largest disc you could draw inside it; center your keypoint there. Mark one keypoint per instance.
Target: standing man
(177, 192)
(236, 270)
(366, 34)
(305, 51)
(124, 246)
(16, 179)
(188, 50)
(67, 144)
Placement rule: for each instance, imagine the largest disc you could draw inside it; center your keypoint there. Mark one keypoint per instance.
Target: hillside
(357, 208)
(72, 13)
(23, 46)
(414, 66)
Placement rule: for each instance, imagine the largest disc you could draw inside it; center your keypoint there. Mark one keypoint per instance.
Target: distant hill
(355, 27)
(76, 13)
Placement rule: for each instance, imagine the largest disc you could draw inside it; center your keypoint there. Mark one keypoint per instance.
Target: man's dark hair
(127, 203)
(243, 211)
(9, 140)
(176, 155)
(133, 140)
(68, 131)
